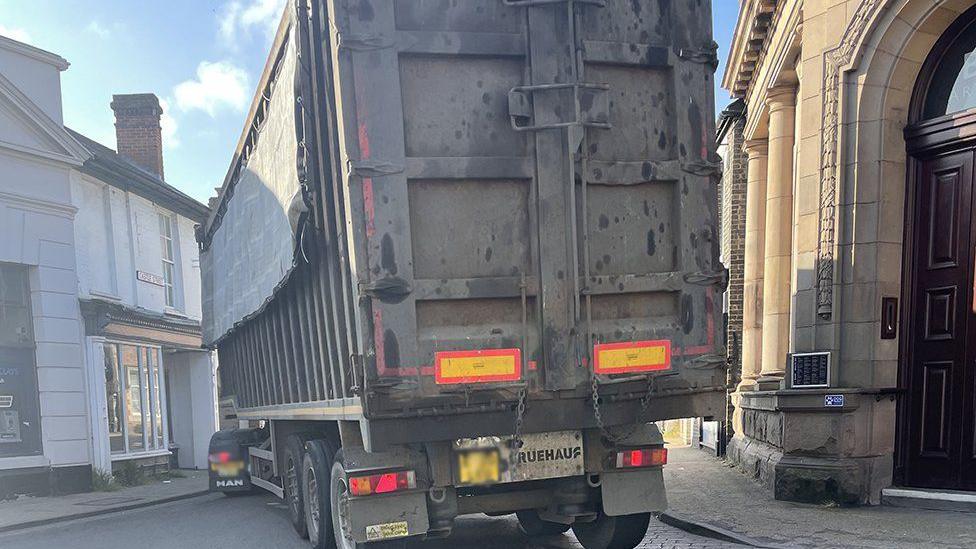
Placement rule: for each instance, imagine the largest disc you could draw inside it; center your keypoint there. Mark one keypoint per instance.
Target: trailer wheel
(606, 532)
(532, 525)
(316, 472)
(340, 515)
(292, 483)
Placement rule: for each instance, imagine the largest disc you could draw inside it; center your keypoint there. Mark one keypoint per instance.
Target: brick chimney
(137, 132)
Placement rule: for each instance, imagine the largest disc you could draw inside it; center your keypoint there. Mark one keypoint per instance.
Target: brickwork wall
(733, 233)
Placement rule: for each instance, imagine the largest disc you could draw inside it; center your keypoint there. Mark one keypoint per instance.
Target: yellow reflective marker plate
(483, 366)
(386, 531)
(479, 467)
(632, 356)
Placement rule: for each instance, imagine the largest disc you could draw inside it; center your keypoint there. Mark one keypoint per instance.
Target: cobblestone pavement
(217, 522)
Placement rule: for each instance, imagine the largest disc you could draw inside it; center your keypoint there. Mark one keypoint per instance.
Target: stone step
(920, 498)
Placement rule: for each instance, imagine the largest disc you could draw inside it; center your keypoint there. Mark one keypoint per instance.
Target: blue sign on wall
(833, 401)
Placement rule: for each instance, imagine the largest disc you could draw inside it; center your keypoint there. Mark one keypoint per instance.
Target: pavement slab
(27, 512)
(707, 491)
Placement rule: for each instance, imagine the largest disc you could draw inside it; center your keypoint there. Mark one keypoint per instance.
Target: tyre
(605, 532)
(316, 473)
(532, 525)
(291, 480)
(340, 518)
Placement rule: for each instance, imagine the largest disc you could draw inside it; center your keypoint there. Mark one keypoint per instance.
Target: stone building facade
(859, 137)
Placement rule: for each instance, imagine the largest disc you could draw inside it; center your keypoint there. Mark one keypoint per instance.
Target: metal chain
(513, 456)
(645, 401)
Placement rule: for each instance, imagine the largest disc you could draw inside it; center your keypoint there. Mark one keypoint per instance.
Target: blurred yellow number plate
(229, 469)
(478, 467)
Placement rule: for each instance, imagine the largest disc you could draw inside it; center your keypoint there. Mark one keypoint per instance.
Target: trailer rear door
(530, 176)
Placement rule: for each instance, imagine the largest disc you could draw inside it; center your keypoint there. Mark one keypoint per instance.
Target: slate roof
(116, 170)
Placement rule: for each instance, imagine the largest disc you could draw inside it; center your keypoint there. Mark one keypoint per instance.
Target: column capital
(781, 96)
(756, 147)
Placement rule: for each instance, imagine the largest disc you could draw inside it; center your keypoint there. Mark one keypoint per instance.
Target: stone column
(781, 101)
(752, 277)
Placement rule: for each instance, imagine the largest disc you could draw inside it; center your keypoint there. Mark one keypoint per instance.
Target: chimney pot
(138, 134)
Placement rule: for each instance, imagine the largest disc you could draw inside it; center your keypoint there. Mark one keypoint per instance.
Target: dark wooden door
(942, 346)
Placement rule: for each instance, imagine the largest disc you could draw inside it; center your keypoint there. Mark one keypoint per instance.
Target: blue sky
(201, 57)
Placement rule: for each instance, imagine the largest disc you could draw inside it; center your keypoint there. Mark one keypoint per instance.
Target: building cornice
(35, 53)
(111, 319)
(38, 205)
(71, 153)
(753, 27)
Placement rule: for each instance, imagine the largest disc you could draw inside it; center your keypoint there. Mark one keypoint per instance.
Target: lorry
(465, 254)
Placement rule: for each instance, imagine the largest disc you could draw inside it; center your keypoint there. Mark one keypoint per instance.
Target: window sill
(170, 311)
(138, 455)
(104, 295)
(24, 462)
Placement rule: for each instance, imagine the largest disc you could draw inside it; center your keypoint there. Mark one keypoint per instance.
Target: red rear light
(383, 483)
(219, 457)
(642, 457)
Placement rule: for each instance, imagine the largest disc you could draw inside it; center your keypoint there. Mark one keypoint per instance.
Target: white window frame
(149, 436)
(171, 287)
(168, 248)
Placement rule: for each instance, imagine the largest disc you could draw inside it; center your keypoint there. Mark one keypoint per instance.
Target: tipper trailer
(465, 254)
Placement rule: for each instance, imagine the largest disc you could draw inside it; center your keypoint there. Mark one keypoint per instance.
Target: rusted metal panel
(493, 174)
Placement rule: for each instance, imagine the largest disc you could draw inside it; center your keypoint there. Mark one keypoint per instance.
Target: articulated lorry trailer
(465, 255)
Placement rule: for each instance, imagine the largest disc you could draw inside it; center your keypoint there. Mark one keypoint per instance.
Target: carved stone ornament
(835, 61)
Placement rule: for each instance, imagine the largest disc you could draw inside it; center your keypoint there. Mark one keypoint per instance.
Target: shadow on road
(495, 533)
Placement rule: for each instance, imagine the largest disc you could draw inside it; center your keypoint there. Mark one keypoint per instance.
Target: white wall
(36, 227)
(118, 234)
(189, 255)
(39, 81)
(192, 404)
(180, 405)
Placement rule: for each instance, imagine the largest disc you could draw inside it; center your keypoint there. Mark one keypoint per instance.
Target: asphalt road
(217, 522)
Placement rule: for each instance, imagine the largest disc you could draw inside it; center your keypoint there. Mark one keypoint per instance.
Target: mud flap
(374, 518)
(630, 492)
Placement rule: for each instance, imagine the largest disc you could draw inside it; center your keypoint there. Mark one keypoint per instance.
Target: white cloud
(97, 29)
(16, 33)
(169, 126)
(218, 85)
(239, 19)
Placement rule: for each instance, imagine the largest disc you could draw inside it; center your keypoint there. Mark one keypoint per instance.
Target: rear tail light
(383, 483)
(219, 457)
(642, 457)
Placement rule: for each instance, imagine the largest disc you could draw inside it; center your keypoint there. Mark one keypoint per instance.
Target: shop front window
(113, 399)
(132, 393)
(20, 424)
(134, 419)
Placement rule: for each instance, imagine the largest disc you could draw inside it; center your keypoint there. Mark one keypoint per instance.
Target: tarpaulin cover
(252, 249)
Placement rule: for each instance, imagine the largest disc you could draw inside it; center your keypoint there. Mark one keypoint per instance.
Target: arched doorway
(939, 343)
